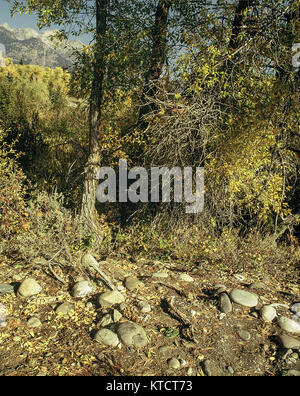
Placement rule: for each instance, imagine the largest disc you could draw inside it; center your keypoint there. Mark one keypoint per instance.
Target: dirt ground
(64, 344)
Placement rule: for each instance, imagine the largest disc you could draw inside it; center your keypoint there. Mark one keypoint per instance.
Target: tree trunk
(88, 209)
(158, 57)
(237, 27)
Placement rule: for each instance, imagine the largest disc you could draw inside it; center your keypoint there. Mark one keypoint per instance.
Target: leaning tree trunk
(88, 209)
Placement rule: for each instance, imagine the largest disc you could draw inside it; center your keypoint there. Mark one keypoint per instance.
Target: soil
(64, 344)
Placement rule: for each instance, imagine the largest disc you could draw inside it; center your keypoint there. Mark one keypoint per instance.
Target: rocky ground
(138, 317)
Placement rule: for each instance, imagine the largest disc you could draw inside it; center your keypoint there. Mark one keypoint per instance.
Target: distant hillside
(30, 47)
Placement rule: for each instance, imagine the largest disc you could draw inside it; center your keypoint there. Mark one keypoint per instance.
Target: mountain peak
(33, 47)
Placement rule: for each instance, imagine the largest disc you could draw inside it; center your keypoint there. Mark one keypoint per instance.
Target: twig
(55, 274)
(104, 277)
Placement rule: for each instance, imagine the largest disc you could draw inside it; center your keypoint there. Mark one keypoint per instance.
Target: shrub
(13, 215)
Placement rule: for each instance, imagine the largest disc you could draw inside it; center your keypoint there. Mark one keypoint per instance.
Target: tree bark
(237, 27)
(158, 57)
(88, 208)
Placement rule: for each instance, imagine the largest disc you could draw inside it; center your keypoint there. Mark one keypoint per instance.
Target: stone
(206, 366)
(244, 298)
(239, 277)
(160, 275)
(288, 342)
(225, 303)
(82, 289)
(186, 278)
(258, 286)
(289, 325)
(6, 289)
(65, 308)
(89, 260)
(132, 334)
(189, 371)
(163, 350)
(110, 298)
(144, 306)
(107, 337)
(29, 287)
(132, 283)
(106, 320)
(296, 309)
(116, 315)
(268, 313)
(218, 289)
(34, 323)
(230, 370)
(244, 335)
(173, 363)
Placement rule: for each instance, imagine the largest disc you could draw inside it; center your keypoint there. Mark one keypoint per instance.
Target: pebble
(160, 275)
(116, 315)
(82, 289)
(244, 335)
(105, 321)
(110, 298)
(289, 325)
(244, 298)
(107, 337)
(144, 306)
(220, 290)
(230, 370)
(225, 303)
(65, 308)
(189, 371)
(6, 289)
(268, 313)
(296, 309)
(219, 287)
(29, 287)
(258, 286)
(186, 278)
(239, 277)
(132, 283)
(34, 323)
(173, 363)
(89, 260)
(163, 350)
(206, 366)
(288, 342)
(132, 334)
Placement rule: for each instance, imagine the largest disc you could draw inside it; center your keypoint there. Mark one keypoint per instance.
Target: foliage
(13, 214)
(228, 100)
(49, 126)
(50, 228)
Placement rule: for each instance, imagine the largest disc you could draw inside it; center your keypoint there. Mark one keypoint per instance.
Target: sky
(24, 21)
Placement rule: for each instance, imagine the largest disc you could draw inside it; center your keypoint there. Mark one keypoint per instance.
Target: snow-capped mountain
(28, 46)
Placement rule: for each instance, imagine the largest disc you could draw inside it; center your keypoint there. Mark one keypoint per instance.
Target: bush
(13, 215)
(51, 229)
